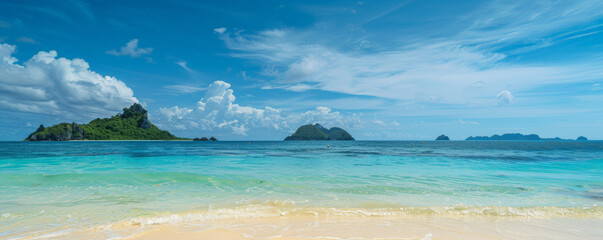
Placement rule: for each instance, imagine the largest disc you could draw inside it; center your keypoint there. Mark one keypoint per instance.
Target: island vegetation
(132, 124)
(318, 132)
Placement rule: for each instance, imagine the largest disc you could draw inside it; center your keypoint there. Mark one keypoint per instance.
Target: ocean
(54, 189)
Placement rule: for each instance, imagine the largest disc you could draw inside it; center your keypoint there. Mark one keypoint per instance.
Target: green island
(132, 124)
(318, 132)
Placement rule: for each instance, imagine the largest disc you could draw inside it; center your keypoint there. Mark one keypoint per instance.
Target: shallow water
(61, 186)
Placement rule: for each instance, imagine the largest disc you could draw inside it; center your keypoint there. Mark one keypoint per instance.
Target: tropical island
(318, 132)
(132, 124)
(442, 138)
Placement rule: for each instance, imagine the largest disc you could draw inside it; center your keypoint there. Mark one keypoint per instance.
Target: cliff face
(132, 124)
(59, 132)
(318, 132)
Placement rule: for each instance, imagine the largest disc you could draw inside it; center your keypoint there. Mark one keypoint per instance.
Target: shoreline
(288, 223)
(329, 227)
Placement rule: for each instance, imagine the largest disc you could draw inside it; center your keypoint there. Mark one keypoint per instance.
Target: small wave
(282, 209)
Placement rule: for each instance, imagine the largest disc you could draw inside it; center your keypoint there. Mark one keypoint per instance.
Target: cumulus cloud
(175, 112)
(218, 110)
(58, 86)
(131, 49)
(505, 96)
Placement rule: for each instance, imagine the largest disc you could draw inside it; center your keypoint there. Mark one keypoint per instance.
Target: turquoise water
(45, 186)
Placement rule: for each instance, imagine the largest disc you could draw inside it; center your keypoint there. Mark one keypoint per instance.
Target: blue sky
(259, 69)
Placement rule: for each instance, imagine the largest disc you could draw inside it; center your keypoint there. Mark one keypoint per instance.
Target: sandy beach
(407, 228)
(412, 227)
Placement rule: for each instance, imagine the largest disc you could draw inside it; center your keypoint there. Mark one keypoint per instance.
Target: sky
(257, 70)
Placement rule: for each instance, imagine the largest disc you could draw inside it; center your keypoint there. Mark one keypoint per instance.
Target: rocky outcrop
(318, 132)
(135, 109)
(205, 139)
(582, 138)
(145, 123)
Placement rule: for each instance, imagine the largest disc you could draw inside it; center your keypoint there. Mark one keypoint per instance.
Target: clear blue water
(98, 182)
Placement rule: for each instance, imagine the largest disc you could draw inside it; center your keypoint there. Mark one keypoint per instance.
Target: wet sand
(304, 227)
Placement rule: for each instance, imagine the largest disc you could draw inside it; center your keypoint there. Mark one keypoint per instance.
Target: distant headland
(318, 132)
(519, 136)
(132, 124)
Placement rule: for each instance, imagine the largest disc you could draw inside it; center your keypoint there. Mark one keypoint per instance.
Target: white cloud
(131, 49)
(217, 111)
(220, 30)
(436, 73)
(183, 65)
(58, 86)
(466, 67)
(505, 96)
(175, 112)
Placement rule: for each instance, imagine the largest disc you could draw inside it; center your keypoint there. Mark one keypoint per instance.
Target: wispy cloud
(4, 24)
(461, 121)
(186, 89)
(469, 67)
(26, 40)
(131, 49)
(183, 64)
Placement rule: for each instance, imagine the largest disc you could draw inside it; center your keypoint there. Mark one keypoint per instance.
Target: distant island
(205, 139)
(519, 136)
(507, 136)
(582, 138)
(318, 132)
(132, 124)
(442, 138)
